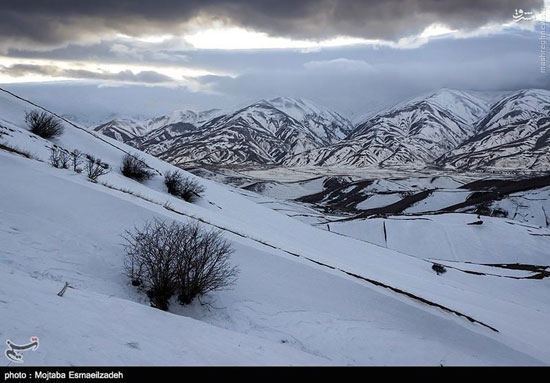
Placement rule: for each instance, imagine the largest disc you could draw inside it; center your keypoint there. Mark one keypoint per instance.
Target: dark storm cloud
(148, 77)
(63, 21)
(351, 79)
(356, 79)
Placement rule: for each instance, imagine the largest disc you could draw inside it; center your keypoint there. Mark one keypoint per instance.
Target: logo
(15, 351)
(521, 15)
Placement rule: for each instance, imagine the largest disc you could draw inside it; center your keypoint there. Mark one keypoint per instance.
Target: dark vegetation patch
(337, 199)
(44, 124)
(395, 208)
(182, 186)
(15, 150)
(133, 166)
(487, 191)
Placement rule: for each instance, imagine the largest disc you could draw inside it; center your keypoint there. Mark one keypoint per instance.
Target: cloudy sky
(96, 59)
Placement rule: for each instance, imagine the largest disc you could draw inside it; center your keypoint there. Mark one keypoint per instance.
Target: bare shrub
(181, 259)
(203, 264)
(59, 158)
(181, 186)
(135, 167)
(95, 168)
(77, 158)
(43, 124)
(150, 259)
(439, 269)
(172, 180)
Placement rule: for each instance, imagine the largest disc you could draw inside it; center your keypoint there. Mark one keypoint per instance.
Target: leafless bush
(95, 168)
(135, 167)
(43, 124)
(59, 158)
(203, 264)
(150, 261)
(77, 158)
(181, 186)
(177, 259)
(439, 269)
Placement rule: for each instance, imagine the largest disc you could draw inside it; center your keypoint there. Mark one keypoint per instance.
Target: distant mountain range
(447, 128)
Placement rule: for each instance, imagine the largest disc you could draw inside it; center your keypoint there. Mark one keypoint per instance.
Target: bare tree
(43, 124)
(77, 158)
(181, 186)
(95, 168)
(59, 158)
(135, 167)
(180, 259)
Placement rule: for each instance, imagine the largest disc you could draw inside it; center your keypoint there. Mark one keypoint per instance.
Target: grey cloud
(340, 64)
(116, 50)
(501, 62)
(505, 61)
(63, 21)
(148, 77)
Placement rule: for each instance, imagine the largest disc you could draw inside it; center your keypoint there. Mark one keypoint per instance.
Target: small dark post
(63, 289)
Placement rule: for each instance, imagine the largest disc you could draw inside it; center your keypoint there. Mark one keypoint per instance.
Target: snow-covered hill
(451, 238)
(304, 295)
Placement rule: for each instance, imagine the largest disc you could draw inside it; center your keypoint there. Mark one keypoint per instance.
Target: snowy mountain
(515, 134)
(450, 128)
(467, 106)
(411, 133)
(184, 117)
(262, 133)
(330, 126)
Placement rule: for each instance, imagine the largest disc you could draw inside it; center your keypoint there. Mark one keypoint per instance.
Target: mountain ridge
(433, 129)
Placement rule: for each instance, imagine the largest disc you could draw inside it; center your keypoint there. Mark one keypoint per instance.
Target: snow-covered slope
(470, 107)
(515, 134)
(451, 238)
(516, 108)
(330, 126)
(304, 295)
(412, 133)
